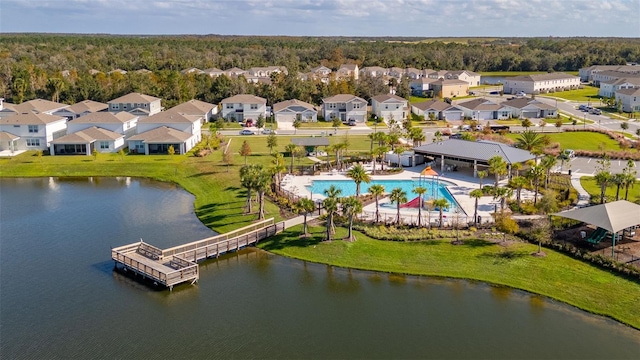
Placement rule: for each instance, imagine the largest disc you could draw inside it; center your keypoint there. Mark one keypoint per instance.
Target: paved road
(585, 165)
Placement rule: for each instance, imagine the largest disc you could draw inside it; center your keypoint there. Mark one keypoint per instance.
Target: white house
(344, 107)
(84, 142)
(609, 88)
(483, 109)
(155, 134)
(213, 72)
(40, 106)
(470, 77)
(587, 73)
(148, 104)
(540, 83)
(197, 107)
(529, 108)
(630, 99)
(347, 71)
(437, 110)
(234, 71)
(192, 70)
(243, 107)
(389, 107)
(81, 108)
(374, 71)
(291, 110)
(123, 123)
(611, 75)
(31, 131)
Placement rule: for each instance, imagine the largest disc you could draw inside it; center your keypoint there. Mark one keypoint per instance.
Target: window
(33, 128)
(33, 142)
(229, 106)
(385, 107)
(254, 106)
(332, 105)
(104, 144)
(115, 106)
(356, 106)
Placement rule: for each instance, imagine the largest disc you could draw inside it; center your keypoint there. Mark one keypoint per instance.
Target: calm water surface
(59, 297)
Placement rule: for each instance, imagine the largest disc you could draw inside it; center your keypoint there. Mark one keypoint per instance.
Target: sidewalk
(583, 195)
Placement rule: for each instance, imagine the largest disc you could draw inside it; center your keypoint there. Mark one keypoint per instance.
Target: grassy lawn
(418, 99)
(556, 275)
(580, 141)
(320, 124)
(590, 185)
(588, 93)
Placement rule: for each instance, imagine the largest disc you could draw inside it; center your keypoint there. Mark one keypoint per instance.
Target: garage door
(285, 117)
(452, 115)
(485, 115)
(530, 114)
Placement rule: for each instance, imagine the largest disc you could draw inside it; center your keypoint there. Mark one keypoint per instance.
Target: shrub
(507, 224)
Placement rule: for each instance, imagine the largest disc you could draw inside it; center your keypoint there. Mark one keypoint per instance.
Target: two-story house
(345, 107)
(147, 105)
(389, 107)
(197, 107)
(81, 108)
(30, 131)
(123, 123)
(629, 98)
(470, 77)
(348, 71)
(155, 134)
(540, 83)
(40, 106)
(449, 88)
(243, 107)
(609, 88)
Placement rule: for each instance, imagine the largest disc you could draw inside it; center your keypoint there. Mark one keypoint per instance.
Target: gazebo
(613, 217)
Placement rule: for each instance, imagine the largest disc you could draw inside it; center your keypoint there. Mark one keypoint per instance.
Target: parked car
(246, 132)
(447, 100)
(494, 93)
(569, 153)
(582, 107)
(352, 122)
(455, 136)
(269, 132)
(521, 94)
(595, 111)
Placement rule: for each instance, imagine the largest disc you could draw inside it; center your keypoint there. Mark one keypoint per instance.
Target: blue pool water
(348, 187)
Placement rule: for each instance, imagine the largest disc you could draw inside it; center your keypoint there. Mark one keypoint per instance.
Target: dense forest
(32, 64)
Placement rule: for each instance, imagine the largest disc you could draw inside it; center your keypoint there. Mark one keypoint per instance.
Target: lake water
(60, 299)
(492, 80)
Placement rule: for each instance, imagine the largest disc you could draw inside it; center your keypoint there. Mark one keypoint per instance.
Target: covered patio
(8, 144)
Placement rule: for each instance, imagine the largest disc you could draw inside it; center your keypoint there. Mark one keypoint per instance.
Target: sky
(410, 18)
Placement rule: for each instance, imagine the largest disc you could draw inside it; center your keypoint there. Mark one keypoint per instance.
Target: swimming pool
(348, 187)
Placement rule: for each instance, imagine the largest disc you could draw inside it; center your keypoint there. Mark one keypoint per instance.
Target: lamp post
(584, 121)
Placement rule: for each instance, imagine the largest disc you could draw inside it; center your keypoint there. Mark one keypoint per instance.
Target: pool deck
(464, 184)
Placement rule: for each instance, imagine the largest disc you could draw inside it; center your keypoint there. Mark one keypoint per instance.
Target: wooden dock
(179, 264)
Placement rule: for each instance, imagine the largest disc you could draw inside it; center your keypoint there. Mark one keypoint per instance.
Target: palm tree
(498, 167)
(278, 167)
(351, 206)
(502, 193)
(475, 194)
(262, 181)
(618, 180)
(377, 190)
(516, 167)
(398, 196)
(481, 175)
(291, 148)
(530, 140)
(398, 150)
(518, 183)
(379, 153)
(536, 173)
(630, 176)
(547, 163)
(359, 175)
(330, 205)
(417, 136)
(526, 123)
(603, 179)
(441, 204)
(248, 174)
(333, 192)
(420, 191)
(305, 206)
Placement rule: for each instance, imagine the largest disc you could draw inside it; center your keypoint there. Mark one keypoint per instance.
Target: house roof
(6, 136)
(342, 98)
(619, 74)
(292, 103)
(162, 135)
(436, 105)
(144, 71)
(445, 82)
(630, 91)
(479, 104)
(520, 103)
(37, 105)
(213, 71)
(104, 118)
(170, 117)
(87, 105)
(631, 80)
(88, 136)
(542, 77)
(460, 72)
(31, 119)
(370, 69)
(311, 141)
(391, 98)
(476, 150)
(613, 217)
(423, 81)
(235, 70)
(194, 107)
(349, 67)
(244, 99)
(134, 98)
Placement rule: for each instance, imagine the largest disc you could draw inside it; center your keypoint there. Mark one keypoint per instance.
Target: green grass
(590, 141)
(590, 185)
(587, 93)
(320, 124)
(556, 275)
(520, 73)
(418, 99)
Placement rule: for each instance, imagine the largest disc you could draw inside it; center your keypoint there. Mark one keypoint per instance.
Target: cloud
(327, 17)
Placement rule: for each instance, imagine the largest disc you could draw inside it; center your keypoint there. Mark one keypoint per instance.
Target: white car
(246, 132)
(269, 132)
(521, 94)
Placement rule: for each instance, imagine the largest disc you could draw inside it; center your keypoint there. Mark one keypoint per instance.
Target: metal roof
(311, 141)
(475, 150)
(613, 216)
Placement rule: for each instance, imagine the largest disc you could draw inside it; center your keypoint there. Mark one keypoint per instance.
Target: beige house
(347, 71)
(81, 108)
(197, 107)
(630, 99)
(449, 88)
(148, 105)
(291, 110)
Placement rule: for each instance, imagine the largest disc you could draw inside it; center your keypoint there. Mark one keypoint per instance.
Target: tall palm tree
(398, 150)
(498, 167)
(359, 175)
(333, 192)
(618, 180)
(516, 167)
(278, 167)
(518, 183)
(417, 136)
(548, 162)
(351, 206)
(330, 205)
(441, 204)
(481, 175)
(291, 148)
(603, 179)
(475, 194)
(530, 140)
(262, 182)
(630, 176)
(398, 196)
(535, 174)
(248, 175)
(502, 193)
(377, 190)
(305, 206)
(420, 191)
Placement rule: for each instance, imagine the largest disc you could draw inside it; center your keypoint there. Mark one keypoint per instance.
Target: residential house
(123, 123)
(540, 83)
(321, 73)
(291, 110)
(396, 72)
(344, 107)
(414, 73)
(374, 71)
(39, 106)
(421, 86)
(265, 72)
(31, 131)
(437, 110)
(483, 109)
(194, 71)
(439, 74)
(81, 108)
(529, 108)
(155, 134)
(449, 88)
(138, 104)
(84, 142)
(610, 76)
(587, 73)
(94, 72)
(118, 71)
(609, 88)
(234, 72)
(144, 71)
(348, 71)
(389, 107)
(197, 107)
(629, 98)
(243, 107)
(213, 72)
(470, 77)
